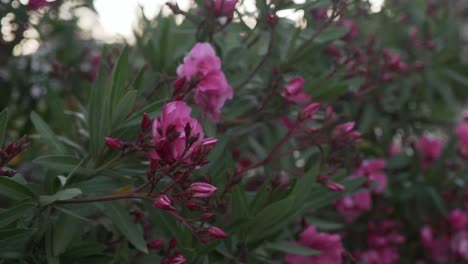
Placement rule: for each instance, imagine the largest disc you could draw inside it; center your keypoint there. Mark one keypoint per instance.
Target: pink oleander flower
(372, 170)
(292, 91)
(329, 246)
(202, 190)
(394, 62)
(458, 220)
(461, 131)
(37, 4)
(437, 249)
(203, 68)
(353, 29)
(459, 245)
(430, 149)
(222, 8)
(176, 134)
(383, 239)
(394, 149)
(351, 207)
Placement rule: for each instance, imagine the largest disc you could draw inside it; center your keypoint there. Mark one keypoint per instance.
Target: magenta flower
(430, 149)
(459, 245)
(437, 249)
(457, 220)
(176, 134)
(203, 68)
(178, 259)
(353, 29)
(37, 4)
(113, 143)
(202, 190)
(351, 207)
(461, 131)
(329, 246)
(222, 8)
(383, 239)
(292, 91)
(372, 170)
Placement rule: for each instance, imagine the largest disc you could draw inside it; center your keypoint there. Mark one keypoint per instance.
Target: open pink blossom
(459, 245)
(353, 29)
(292, 91)
(203, 68)
(170, 133)
(458, 220)
(373, 170)
(437, 248)
(461, 131)
(222, 8)
(329, 246)
(351, 207)
(430, 149)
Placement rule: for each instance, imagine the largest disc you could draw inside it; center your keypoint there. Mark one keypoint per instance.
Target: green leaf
(61, 163)
(288, 247)
(119, 79)
(46, 133)
(3, 125)
(123, 108)
(84, 250)
(15, 190)
(270, 216)
(330, 34)
(124, 223)
(15, 239)
(60, 196)
(304, 185)
(239, 204)
(63, 232)
(14, 213)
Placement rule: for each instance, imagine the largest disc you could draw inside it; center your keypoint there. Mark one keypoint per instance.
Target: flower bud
(310, 110)
(207, 216)
(145, 122)
(335, 187)
(113, 143)
(272, 19)
(217, 232)
(173, 243)
(163, 202)
(178, 259)
(156, 244)
(202, 190)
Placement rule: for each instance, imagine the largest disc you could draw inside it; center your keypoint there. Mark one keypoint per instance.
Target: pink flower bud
(163, 202)
(207, 216)
(272, 19)
(173, 243)
(145, 122)
(217, 232)
(202, 190)
(310, 110)
(113, 143)
(178, 259)
(156, 244)
(191, 205)
(344, 128)
(179, 84)
(335, 187)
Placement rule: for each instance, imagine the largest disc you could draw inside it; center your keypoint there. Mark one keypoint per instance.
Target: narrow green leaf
(60, 196)
(288, 247)
(63, 232)
(119, 79)
(121, 219)
(123, 108)
(3, 125)
(46, 133)
(15, 190)
(61, 163)
(14, 213)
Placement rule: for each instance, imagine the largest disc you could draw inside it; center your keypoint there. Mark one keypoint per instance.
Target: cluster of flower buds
(383, 240)
(11, 150)
(447, 243)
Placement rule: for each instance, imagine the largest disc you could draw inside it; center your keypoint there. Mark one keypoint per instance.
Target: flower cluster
(383, 240)
(8, 153)
(202, 70)
(449, 242)
(329, 245)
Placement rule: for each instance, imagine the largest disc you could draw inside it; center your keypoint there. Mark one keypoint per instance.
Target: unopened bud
(163, 202)
(202, 190)
(113, 143)
(217, 232)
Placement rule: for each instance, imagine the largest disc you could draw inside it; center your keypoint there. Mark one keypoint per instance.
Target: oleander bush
(335, 135)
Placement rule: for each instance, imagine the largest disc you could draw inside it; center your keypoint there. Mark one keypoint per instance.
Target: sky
(118, 17)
